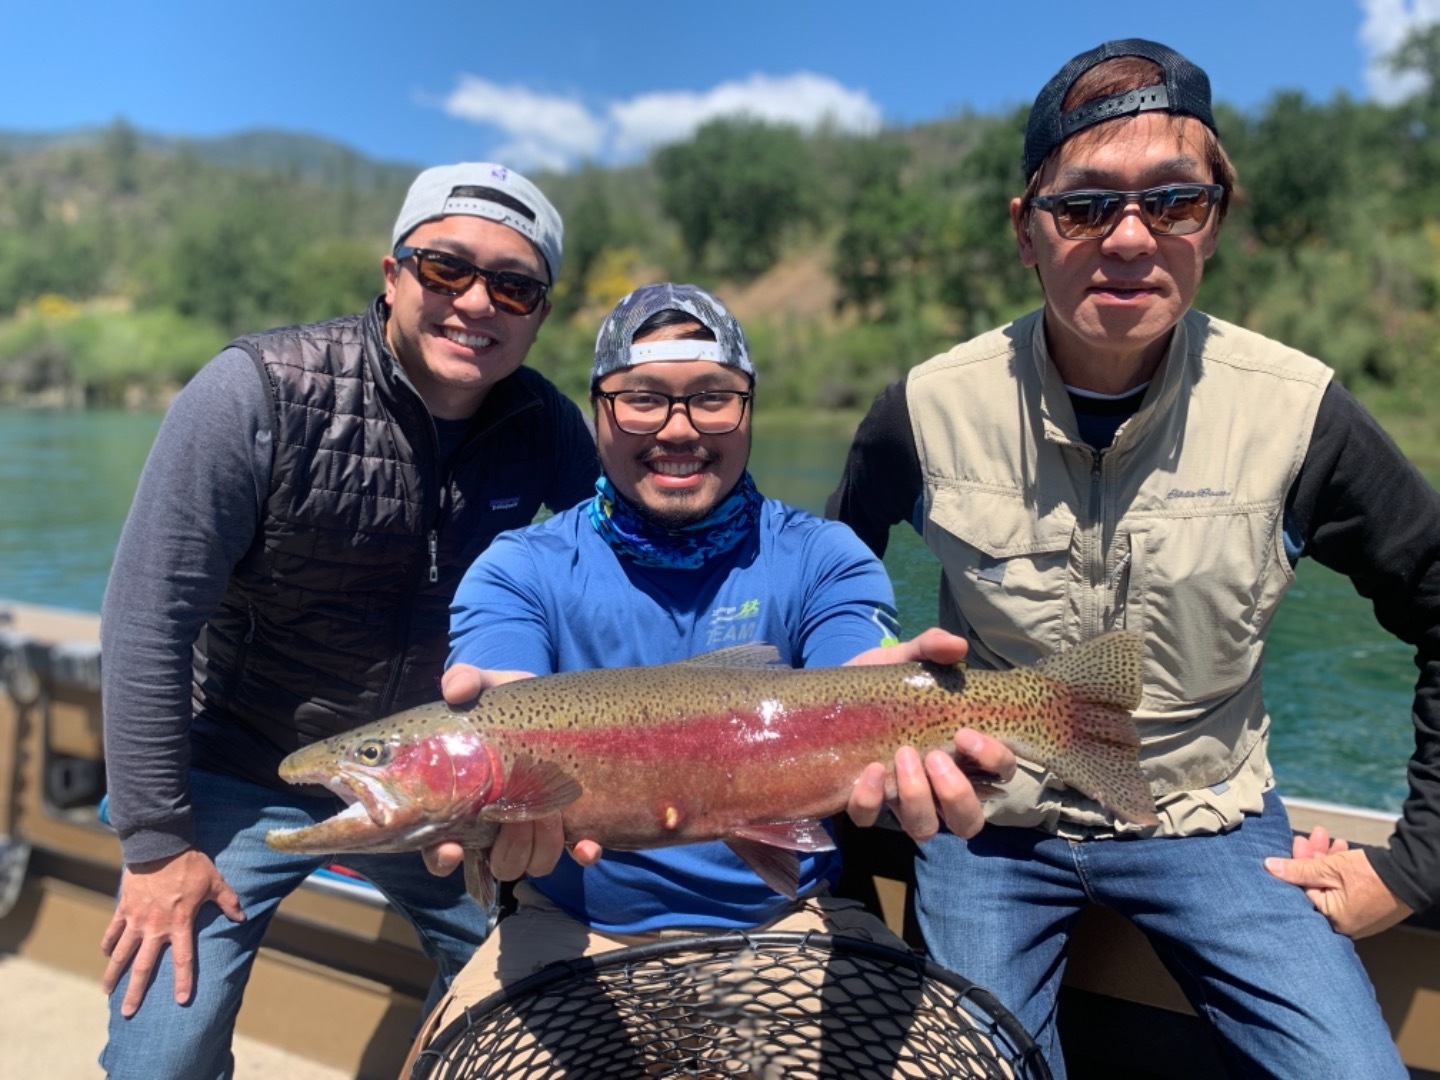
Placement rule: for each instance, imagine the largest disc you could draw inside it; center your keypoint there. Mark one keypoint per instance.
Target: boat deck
(337, 988)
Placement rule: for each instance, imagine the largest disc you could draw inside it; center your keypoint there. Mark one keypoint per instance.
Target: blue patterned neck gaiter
(646, 544)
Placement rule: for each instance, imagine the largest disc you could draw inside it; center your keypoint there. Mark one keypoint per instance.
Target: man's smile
(469, 341)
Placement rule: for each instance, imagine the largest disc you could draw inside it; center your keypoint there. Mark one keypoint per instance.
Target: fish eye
(373, 752)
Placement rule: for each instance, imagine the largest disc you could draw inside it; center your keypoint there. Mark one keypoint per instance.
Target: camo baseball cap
(1185, 91)
(615, 346)
(487, 190)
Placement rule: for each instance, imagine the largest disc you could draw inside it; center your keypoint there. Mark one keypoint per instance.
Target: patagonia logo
(505, 504)
(1197, 493)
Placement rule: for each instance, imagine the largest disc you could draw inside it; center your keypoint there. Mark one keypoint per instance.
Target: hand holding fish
(522, 847)
(936, 787)
(156, 910)
(1340, 883)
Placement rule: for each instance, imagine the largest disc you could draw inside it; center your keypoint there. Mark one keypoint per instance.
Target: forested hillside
(126, 261)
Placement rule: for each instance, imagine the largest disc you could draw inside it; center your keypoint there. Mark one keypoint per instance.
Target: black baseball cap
(1185, 91)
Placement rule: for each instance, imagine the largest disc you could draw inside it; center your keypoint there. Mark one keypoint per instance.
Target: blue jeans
(1285, 994)
(165, 1041)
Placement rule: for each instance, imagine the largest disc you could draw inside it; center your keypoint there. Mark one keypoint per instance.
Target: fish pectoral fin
(479, 882)
(777, 867)
(808, 835)
(532, 790)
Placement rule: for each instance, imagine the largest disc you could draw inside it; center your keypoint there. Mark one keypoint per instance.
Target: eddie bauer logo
(1198, 493)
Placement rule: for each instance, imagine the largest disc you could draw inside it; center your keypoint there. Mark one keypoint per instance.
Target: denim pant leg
(450, 923)
(997, 910)
(1287, 995)
(166, 1041)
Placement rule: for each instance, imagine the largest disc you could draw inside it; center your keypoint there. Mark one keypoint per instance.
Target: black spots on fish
(952, 678)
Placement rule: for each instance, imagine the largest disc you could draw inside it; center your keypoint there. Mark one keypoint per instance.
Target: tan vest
(1175, 531)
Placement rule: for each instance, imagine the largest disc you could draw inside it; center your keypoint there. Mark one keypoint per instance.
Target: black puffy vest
(339, 614)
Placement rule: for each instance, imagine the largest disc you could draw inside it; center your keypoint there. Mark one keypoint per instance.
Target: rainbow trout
(725, 746)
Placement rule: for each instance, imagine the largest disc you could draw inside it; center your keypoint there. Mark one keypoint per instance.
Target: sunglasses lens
(440, 274)
(1085, 215)
(1177, 211)
(515, 293)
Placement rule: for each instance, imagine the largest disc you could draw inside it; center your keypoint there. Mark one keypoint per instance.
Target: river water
(1338, 686)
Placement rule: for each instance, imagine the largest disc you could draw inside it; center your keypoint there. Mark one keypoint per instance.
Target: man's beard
(682, 513)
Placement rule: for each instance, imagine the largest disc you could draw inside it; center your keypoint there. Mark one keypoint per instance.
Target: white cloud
(1385, 26)
(554, 132)
(803, 99)
(544, 130)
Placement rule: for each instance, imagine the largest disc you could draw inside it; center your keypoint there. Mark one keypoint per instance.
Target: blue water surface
(1339, 687)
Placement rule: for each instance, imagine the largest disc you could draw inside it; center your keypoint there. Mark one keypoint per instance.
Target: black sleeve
(882, 482)
(1364, 510)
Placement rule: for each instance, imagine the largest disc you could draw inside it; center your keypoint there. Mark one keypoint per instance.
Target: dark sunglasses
(450, 275)
(1172, 210)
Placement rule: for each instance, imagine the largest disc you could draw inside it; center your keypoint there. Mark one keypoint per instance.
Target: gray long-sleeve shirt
(195, 514)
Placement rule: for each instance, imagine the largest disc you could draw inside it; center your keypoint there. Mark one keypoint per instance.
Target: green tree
(589, 230)
(736, 190)
(332, 276)
(226, 261)
(120, 152)
(882, 252)
(1419, 54)
(1417, 134)
(981, 278)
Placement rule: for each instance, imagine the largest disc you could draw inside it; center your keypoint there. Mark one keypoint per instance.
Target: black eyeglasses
(450, 275)
(644, 412)
(1172, 210)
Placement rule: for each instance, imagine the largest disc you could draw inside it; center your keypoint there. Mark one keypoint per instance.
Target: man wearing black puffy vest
(311, 502)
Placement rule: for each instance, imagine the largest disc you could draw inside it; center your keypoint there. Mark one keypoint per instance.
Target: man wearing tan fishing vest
(1118, 459)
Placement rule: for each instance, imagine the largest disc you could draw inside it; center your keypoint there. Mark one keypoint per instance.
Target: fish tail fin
(1102, 761)
(1104, 670)
(1102, 758)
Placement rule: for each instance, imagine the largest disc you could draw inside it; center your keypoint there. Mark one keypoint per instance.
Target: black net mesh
(756, 1006)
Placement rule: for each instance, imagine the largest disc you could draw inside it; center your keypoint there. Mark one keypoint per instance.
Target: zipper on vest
(433, 543)
(1095, 569)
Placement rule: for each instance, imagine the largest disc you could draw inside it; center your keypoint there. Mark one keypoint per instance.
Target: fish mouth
(371, 820)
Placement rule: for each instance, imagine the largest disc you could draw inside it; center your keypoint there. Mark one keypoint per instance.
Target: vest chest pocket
(1208, 584)
(1007, 567)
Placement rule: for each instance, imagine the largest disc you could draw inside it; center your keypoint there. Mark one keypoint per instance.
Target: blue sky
(549, 83)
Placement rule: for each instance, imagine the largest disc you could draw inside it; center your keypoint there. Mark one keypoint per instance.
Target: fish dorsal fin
(1104, 670)
(807, 835)
(479, 882)
(754, 654)
(778, 868)
(532, 790)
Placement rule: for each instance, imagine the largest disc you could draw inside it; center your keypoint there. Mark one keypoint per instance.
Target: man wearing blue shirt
(679, 554)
